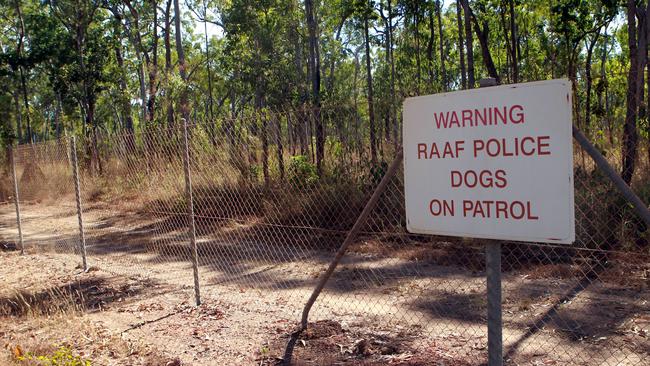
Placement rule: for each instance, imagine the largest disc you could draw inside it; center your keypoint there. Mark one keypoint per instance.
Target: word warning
(491, 163)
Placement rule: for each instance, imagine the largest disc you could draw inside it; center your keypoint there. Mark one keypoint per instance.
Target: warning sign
(491, 163)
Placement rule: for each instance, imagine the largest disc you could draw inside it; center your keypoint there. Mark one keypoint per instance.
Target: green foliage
(302, 173)
(256, 54)
(377, 172)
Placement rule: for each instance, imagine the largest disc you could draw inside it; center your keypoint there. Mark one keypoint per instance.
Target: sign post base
(493, 271)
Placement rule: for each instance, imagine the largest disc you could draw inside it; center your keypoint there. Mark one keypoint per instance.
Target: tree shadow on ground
(245, 254)
(587, 312)
(86, 294)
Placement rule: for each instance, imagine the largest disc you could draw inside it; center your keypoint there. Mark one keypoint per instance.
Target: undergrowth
(62, 356)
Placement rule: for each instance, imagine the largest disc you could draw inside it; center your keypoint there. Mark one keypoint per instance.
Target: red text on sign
(515, 210)
(484, 178)
(488, 116)
(519, 146)
(449, 150)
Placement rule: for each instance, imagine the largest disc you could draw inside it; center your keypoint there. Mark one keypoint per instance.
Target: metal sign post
(493, 271)
(472, 159)
(493, 274)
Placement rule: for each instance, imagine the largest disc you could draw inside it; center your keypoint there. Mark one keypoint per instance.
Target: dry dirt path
(135, 306)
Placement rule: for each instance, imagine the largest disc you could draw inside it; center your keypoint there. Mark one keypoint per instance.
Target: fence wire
(268, 222)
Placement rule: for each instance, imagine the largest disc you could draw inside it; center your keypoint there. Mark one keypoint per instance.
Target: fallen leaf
(18, 351)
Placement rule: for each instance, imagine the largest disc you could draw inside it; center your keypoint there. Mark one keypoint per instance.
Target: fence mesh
(268, 223)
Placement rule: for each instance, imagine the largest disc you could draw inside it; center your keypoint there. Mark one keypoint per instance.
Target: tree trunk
(630, 135)
(355, 97)
(125, 103)
(143, 91)
(59, 124)
(19, 118)
(483, 36)
(514, 43)
(430, 46)
(279, 145)
(21, 71)
(603, 74)
(23, 83)
(469, 42)
(168, 61)
(208, 63)
(314, 60)
(90, 122)
(393, 108)
(461, 52)
(371, 112)
(185, 110)
(142, 56)
(590, 51)
(265, 146)
(153, 67)
(337, 37)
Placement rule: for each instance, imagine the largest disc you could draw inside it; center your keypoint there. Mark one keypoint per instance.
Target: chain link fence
(267, 224)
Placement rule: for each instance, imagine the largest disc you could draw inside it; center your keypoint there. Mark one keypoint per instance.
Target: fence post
(190, 214)
(493, 274)
(16, 199)
(639, 206)
(77, 193)
(349, 238)
(493, 269)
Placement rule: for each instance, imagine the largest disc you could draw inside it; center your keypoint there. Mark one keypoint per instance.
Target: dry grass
(53, 301)
(50, 326)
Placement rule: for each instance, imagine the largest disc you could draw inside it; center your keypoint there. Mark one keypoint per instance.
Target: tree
(182, 65)
(79, 19)
(630, 133)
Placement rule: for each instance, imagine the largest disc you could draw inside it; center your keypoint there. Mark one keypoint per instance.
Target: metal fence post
(350, 237)
(639, 206)
(16, 199)
(495, 336)
(190, 214)
(77, 192)
(493, 274)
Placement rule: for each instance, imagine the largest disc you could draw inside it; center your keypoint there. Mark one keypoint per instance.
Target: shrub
(302, 173)
(61, 357)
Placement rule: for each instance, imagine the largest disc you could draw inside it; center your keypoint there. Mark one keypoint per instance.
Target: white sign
(491, 163)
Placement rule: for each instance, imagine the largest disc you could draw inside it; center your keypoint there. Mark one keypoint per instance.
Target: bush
(61, 357)
(302, 173)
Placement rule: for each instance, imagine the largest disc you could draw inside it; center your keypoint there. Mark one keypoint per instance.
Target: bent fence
(239, 211)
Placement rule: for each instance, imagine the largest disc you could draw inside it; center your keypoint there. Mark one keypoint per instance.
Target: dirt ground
(136, 304)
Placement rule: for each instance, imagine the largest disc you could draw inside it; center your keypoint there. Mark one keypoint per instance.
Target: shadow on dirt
(87, 294)
(257, 254)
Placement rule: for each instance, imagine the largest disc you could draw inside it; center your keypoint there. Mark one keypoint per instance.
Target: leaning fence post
(16, 199)
(190, 214)
(350, 237)
(77, 193)
(639, 206)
